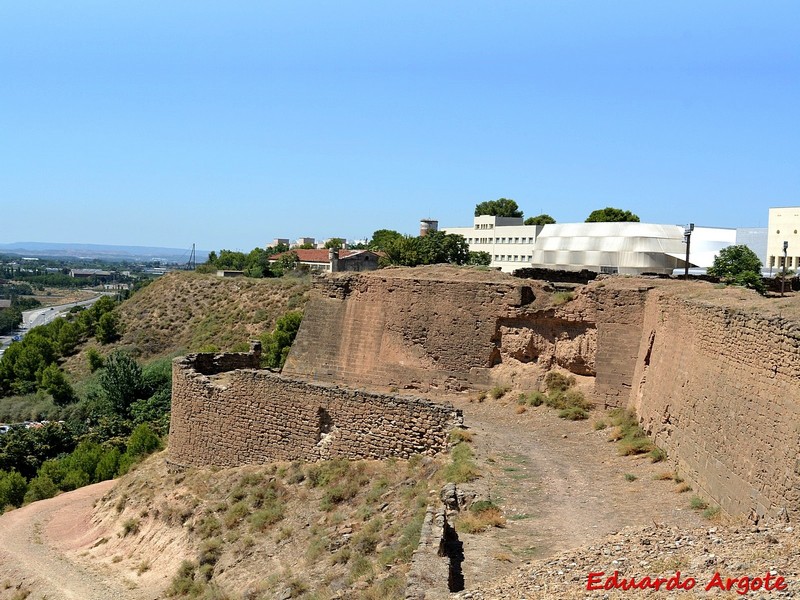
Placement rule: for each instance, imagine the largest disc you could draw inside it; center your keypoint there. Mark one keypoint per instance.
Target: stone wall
(251, 416)
(399, 332)
(719, 389)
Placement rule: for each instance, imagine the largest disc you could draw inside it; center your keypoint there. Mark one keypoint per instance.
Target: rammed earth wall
(719, 389)
(250, 416)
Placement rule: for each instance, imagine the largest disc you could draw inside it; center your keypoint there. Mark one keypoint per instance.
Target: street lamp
(687, 238)
(783, 279)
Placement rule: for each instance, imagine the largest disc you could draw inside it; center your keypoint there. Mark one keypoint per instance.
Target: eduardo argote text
(741, 585)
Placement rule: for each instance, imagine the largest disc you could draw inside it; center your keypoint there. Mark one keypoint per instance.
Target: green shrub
(698, 503)
(630, 477)
(462, 467)
(558, 381)
(12, 489)
(142, 441)
(498, 391)
(263, 518)
(338, 493)
(480, 506)
(560, 298)
(573, 413)
(657, 455)
(40, 488)
(536, 398)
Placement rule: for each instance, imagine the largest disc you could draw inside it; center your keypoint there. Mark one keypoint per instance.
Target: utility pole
(783, 278)
(687, 238)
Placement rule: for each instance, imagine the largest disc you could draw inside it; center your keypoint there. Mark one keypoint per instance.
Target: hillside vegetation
(190, 311)
(336, 528)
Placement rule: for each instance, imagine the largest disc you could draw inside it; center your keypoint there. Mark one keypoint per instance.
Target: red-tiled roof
(317, 255)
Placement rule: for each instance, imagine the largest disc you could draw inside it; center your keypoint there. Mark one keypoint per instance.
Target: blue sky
(229, 124)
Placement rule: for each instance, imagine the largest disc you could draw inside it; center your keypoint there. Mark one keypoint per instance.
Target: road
(42, 316)
(38, 550)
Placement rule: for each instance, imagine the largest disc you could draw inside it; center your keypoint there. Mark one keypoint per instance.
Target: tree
(439, 247)
(738, 265)
(502, 207)
(107, 329)
(480, 258)
(543, 219)
(12, 489)
(121, 382)
(612, 215)
(383, 239)
(334, 243)
(277, 344)
(55, 383)
(733, 260)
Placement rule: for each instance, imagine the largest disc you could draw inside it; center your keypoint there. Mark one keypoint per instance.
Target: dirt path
(561, 485)
(39, 546)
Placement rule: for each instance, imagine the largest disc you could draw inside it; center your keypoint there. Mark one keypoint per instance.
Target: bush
(560, 298)
(143, 441)
(698, 503)
(12, 489)
(573, 413)
(498, 391)
(40, 488)
(558, 381)
(130, 527)
(277, 344)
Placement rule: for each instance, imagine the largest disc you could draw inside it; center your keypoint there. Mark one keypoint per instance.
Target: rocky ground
(756, 556)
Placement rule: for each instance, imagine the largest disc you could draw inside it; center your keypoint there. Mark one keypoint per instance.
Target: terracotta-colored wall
(719, 389)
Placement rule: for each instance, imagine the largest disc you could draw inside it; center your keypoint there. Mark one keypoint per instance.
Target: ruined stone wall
(719, 390)
(396, 331)
(252, 416)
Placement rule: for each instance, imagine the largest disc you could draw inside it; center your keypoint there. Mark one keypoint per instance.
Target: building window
(771, 261)
(496, 257)
(608, 270)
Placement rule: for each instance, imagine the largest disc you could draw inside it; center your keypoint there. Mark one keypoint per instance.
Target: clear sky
(231, 123)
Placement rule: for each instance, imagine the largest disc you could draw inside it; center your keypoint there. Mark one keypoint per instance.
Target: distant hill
(100, 251)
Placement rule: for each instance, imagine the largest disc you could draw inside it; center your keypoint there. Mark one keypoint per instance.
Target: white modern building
(506, 239)
(626, 248)
(783, 227)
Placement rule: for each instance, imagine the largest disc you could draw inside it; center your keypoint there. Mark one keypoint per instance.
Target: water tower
(428, 225)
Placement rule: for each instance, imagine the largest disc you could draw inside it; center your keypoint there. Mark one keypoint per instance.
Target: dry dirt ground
(41, 552)
(560, 484)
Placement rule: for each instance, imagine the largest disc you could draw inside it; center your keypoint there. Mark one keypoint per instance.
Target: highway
(42, 316)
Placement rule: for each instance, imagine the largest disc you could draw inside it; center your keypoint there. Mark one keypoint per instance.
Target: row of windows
(484, 226)
(514, 258)
(791, 261)
(502, 240)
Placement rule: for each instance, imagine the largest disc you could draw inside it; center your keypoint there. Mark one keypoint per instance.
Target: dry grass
(189, 311)
(476, 522)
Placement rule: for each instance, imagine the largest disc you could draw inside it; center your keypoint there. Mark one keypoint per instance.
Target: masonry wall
(719, 390)
(253, 416)
(396, 331)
